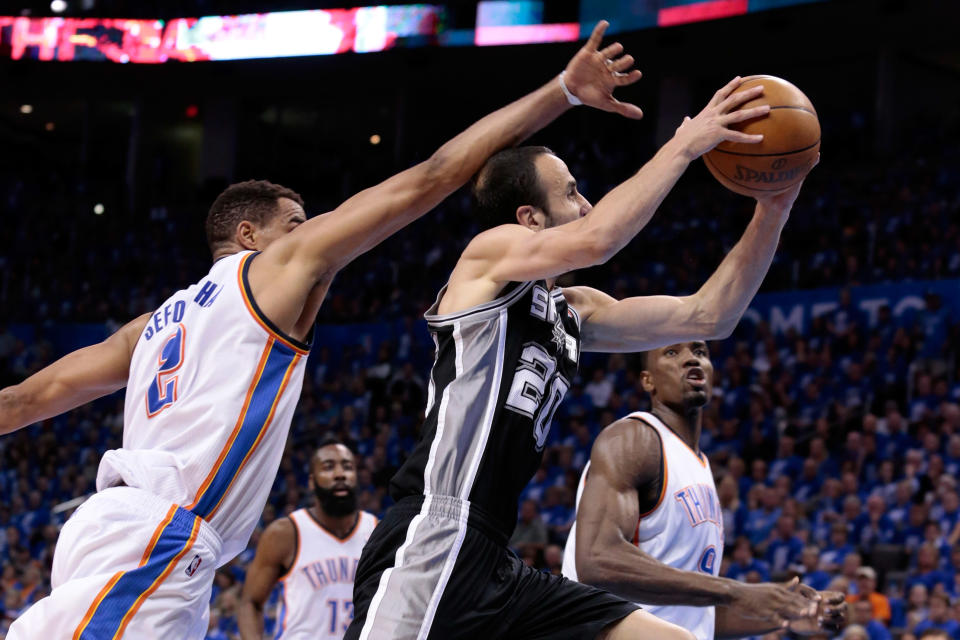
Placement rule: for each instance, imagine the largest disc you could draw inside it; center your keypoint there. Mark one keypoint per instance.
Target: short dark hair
(507, 181)
(330, 440)
(253, 200)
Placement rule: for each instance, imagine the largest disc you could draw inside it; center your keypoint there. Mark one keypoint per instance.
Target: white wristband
(572, 99)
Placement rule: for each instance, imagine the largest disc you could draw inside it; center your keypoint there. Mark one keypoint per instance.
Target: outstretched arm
(648, 322)
(322, 245)
(276, 553)
(625, 459)
(73, 380)
(516, 253)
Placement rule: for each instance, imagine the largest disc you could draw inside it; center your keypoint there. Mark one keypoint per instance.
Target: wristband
(572, 99)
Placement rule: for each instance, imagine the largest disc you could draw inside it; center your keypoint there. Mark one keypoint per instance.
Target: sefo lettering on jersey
(211, 391)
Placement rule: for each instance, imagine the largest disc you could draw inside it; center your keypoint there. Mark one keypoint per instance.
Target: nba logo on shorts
(708, 560)
(194, 565)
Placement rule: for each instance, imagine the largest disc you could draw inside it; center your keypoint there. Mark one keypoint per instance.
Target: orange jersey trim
(263, 431)
(156, 583)
(256, 314)
(236, 429)
(96, 603)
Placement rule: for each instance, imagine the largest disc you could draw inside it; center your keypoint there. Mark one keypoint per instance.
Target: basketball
(791, 142)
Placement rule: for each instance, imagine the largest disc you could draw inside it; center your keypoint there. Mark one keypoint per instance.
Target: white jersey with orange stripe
(212, 389)
(317, 591)
(683, 530)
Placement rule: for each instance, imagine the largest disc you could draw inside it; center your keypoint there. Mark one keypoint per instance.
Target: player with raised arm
(649, 525)
(313, 554)
(214, 374)
(508, 346)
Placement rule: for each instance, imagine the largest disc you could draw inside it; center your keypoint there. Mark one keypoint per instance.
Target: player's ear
(646, 381)
(531, 217)
(246, 235)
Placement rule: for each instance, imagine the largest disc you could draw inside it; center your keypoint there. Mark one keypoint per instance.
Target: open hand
(775, 603)
(594, 73)
(831, 613)
(711, 126)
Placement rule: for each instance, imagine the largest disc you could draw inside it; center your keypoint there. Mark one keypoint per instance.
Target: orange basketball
(791, 142)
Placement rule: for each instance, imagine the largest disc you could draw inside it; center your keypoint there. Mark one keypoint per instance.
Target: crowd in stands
(836, 450)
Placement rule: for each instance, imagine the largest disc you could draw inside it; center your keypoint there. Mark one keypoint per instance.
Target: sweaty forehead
(553, 171)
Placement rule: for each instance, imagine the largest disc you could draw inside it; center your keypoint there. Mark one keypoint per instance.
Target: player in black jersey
(508, 344)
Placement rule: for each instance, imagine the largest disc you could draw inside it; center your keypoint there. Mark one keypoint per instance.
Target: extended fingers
(724, 91)
(612, 50)
(593, 42)
(746, 114)
(623, 79)
(739, 136)
(734, 100)
(621, 64)
(627, 110)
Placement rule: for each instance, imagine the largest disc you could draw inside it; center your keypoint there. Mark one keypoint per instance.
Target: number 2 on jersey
(163, 390)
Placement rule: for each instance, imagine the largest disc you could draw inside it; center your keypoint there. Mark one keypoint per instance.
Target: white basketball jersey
(684, 530)
(212, 389)
(317, 591)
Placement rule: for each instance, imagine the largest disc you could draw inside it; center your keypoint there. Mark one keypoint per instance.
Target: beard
(335, 505)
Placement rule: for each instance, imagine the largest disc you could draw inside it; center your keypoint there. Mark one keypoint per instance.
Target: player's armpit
(276, 553)
(639, 323)
(73, 380)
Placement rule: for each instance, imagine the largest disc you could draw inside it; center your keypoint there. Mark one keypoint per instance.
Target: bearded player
(213, 377)
(313, 554)
(649, 525)
(508, 346)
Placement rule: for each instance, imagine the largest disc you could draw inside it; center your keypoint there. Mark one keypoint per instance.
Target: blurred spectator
(809, 569)
(784, 547)
(862, 614)
(867, 591)
(531, 532)
(744, 566)
(939, 617)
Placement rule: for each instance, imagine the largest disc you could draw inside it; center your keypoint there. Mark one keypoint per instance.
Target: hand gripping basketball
(712, 126)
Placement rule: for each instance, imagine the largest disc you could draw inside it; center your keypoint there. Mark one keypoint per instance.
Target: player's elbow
(597, 568)
(443, 171)
(722, 328)
(707, 321)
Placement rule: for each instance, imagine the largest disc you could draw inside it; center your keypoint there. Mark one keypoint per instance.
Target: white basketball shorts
(128, 564)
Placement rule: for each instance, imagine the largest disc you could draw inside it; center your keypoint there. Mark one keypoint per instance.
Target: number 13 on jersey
(163, 390)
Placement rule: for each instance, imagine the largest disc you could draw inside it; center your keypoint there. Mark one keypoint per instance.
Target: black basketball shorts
(431, 570)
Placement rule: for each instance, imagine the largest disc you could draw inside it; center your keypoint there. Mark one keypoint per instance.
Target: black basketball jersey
(501, 370)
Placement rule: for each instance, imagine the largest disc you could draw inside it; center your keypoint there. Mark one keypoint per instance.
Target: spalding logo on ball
(791, 142)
